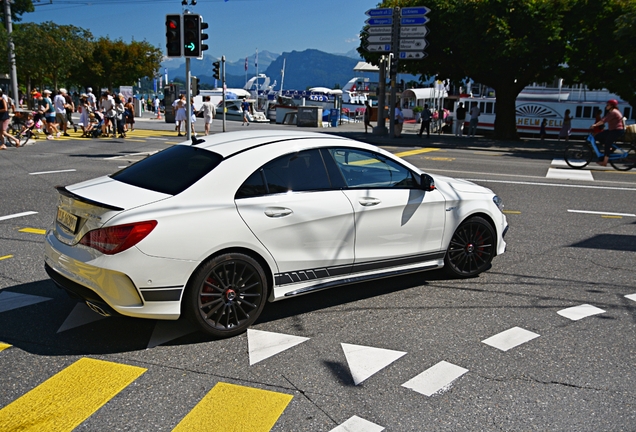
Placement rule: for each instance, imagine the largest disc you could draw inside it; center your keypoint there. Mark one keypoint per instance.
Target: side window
(296, 172)
(361, 168)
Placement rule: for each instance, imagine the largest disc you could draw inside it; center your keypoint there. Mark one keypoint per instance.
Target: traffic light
(194, 86)
(202, 35)
(173, 36)
(216, 70)
(192, 35)
(393, 68)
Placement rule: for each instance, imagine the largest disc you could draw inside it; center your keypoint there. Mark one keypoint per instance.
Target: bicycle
(579, 155)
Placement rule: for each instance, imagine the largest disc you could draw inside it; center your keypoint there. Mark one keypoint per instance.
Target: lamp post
(14, 73)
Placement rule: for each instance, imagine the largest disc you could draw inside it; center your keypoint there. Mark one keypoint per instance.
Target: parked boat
(234, 111)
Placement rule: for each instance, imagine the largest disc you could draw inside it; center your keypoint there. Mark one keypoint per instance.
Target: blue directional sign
(409, 11)
(379, 21)
(414, 21)
(380, 12)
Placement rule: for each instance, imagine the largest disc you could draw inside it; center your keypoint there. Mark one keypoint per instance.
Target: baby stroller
(96, 127)
(18, 121)
(31, 128)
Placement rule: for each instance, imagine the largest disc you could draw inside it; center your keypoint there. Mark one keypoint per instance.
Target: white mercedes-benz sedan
(214, 228)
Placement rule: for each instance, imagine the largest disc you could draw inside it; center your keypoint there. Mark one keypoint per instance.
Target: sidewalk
(547, 148)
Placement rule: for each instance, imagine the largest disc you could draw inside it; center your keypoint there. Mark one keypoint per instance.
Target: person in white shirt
(208, 113)
(59, 102)
(474, 119)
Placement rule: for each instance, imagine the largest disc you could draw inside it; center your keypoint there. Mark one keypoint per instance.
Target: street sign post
(412, 55)
(379, 21)
(375, 39)
(379, 30)
(379, 48)
(413, 44)
(413, 31)
(380, 12)
(410, 11)
(414, 20)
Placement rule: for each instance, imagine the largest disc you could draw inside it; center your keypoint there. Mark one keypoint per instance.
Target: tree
(602, 49)
(115, 63)
(505, 44)
(18, 8)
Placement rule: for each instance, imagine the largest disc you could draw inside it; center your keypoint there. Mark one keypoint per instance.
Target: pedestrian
(426, 122)
(107, 107)
(70, 109)
(85, 111)
(129, 114)
(180, 116)
(597, 118)
(48, 110)
(615, 128)
(245, 106)
(208, 113)
(460, 118)
(155, 104)
(120, 120)
(59, 102)
(398, 121)
(474, 119)
(5, 118)
(92, 100)
(367, 116)
(566, 127)
(542, 132)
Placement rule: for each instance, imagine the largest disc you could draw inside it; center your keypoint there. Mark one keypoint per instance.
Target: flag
(245, 64)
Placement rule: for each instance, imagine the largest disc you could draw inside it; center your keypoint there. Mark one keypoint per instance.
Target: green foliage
(18, 8)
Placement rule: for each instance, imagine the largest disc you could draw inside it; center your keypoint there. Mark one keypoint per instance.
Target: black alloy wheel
(471, 248)
(227, 294)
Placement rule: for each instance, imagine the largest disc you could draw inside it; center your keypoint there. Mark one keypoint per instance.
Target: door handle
(276, 212)
(369, 201)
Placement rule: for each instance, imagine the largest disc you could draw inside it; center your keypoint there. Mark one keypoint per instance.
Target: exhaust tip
(97, 309)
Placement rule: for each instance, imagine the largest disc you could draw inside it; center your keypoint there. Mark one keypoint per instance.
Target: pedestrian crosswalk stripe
(11, 300)
(414, 152)
(4, 346)
(435, 379)
(510, 338)
(358, 424)
(365, 361)
(68, 398)
(576, 313)
(263, 345)
(234, 408)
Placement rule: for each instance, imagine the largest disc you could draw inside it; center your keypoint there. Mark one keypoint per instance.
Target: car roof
(229, 143)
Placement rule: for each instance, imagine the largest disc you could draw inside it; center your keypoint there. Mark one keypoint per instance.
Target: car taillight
(118, 238)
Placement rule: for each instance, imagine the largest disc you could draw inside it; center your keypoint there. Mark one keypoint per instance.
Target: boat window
(489, 108)
(579, 112)
(627, 112)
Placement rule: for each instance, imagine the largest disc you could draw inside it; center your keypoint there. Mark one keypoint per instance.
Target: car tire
(471, 248)
(226, 294)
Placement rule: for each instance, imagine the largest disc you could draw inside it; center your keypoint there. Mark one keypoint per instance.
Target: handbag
(4, 115)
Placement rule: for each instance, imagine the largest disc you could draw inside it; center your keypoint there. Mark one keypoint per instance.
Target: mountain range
(303, 69)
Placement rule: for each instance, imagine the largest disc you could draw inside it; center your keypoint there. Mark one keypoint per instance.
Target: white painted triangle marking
(12, 300)
(357, 424)
(435, 379)
(631, 296)
(166, 331)
(366, 361)
(576, 313)
(510, 338)
(79, 316)
(263, 344)
(569, 174)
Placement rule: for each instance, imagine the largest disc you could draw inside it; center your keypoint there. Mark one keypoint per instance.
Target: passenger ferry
(538, 102)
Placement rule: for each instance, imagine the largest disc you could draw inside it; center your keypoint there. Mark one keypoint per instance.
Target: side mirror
(427, 182)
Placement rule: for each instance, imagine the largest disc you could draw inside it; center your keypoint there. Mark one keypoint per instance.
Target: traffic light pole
(188, 100)
(223, 86)
(393, 63)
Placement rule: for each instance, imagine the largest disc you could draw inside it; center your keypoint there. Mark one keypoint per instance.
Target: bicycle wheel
(578, 155)
(628, 161)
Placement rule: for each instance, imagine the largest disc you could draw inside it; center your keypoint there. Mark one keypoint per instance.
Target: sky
(237, 28)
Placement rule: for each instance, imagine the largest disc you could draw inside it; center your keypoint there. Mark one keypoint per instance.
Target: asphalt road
(358, 358)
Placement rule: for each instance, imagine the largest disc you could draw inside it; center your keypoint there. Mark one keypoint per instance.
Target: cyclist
(615, 128)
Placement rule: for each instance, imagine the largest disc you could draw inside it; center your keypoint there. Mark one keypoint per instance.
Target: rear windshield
(170, 171)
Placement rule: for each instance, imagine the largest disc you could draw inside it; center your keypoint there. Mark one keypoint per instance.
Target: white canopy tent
(421, 96)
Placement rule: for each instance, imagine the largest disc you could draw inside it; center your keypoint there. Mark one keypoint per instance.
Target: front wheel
(471, 248)
(578, 155)
(226, 294)
(628, 161)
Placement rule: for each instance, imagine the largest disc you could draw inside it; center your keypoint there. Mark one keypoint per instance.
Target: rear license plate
(67, 220)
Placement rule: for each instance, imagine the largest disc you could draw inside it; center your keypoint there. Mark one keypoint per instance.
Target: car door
(396, 221)
(291, 207)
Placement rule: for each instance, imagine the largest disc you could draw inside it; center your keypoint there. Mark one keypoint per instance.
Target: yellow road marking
(439, 158)
(512, 212)
(4, 346)
(6, 257)
(32, 230)
(611, 217)
(65, 400)
(414, 152)
(233, 408)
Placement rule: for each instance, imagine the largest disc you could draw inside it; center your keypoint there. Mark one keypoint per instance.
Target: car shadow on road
(617, 242)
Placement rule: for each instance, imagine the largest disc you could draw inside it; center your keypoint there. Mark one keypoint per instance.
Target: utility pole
(14, 73)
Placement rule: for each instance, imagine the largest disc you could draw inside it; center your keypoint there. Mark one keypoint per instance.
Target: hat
(83, 95)
(90, 89)
(613, 102)
(47, 91)
(63, 90)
